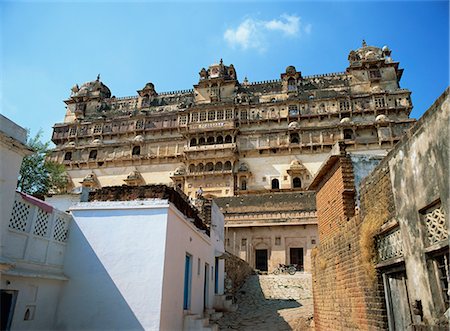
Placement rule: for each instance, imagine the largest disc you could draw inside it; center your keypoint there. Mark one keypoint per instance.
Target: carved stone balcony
(202, 148)
(211, 126)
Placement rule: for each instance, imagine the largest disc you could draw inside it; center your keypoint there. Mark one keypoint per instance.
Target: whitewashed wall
(9, 170)
(34, 243)
(218, 238)
(39, 295)
(115, 263)
(63, 201)
(12, 151)
(184, 238)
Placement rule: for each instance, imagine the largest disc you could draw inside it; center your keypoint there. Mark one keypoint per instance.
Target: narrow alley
(269, 302)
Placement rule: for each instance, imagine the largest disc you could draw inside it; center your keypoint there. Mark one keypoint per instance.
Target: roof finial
(364, 44)
(98, 77)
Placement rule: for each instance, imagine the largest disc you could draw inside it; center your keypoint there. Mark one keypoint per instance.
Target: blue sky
(47, 47)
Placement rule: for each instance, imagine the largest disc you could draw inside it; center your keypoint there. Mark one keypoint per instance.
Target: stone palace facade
(230, 138)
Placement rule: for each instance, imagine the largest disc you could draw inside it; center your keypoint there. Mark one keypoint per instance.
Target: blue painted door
(187, 283)
(216, 276)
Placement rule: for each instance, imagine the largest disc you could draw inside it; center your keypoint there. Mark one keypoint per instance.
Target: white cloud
(253, 33)
(246, 35)
(290, 27)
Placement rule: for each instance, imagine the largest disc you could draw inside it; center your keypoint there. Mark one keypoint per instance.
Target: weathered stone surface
(270, 302)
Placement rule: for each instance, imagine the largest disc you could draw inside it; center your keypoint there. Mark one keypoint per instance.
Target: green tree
(38, 176)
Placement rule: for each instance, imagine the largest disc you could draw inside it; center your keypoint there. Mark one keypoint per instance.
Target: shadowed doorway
(261, 259)
(296, 257)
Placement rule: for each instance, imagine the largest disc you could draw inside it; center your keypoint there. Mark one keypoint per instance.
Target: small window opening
(136, 150)
(348, 134)
(243, 184)
(93, 154)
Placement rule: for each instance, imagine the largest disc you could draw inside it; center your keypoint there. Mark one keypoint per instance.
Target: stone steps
(196, 322)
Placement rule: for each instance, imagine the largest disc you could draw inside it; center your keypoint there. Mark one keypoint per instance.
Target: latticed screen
(437, 229)
(60, 231)
(19, 217)
(390, 246)
(41, 225)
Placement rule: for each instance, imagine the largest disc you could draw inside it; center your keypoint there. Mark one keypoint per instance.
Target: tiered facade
(226, 138)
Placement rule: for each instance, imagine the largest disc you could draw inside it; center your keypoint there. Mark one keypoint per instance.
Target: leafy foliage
(38, 176)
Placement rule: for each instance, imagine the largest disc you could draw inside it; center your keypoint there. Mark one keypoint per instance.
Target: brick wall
(335, 198)
(345, 296)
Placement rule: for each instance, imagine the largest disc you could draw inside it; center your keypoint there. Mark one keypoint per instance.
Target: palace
(253, 146)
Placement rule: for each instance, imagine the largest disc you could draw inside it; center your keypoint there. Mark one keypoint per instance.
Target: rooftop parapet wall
(304, 201)
(130, 193)
(11, 129)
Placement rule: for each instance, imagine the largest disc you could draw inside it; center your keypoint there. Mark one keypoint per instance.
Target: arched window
(275, 184)
(68, 156)
(243, 183)
(136, 150)
(201, 141)
(191, 168)
(348, 134)
(227, 165)
(295, 139)
(209, 166)
(193, 142)
(210, 141)
(200, 167)
(93, 154)
(218, 166)
(219, 140)
(228, 139)
(296, 182)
